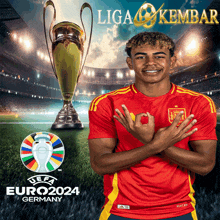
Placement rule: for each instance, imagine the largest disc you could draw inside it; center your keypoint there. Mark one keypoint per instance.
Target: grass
(10, 118)
(208, 205)
(76, 171)
(76, 167)
(86, 206)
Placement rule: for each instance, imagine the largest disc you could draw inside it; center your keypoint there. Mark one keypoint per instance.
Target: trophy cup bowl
(67, 51)
(67, 47)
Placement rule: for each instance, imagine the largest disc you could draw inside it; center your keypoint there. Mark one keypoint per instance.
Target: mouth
(151, 71)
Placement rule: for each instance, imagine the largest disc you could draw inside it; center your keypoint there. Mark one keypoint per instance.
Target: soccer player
(150, 138)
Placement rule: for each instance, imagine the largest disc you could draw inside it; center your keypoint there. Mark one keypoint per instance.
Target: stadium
(30, 98)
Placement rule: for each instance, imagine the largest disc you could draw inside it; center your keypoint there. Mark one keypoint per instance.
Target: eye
(159, 57)
(139, 57)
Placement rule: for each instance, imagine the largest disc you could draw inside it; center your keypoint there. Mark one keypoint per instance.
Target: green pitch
(74, 171)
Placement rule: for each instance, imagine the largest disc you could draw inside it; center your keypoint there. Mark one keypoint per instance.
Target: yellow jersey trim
(134, 90)
(173, 89)
(193, 201)
(111, 198)
(186, 91)
(95, 102)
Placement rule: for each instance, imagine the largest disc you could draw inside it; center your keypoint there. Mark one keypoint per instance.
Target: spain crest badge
(172, 113)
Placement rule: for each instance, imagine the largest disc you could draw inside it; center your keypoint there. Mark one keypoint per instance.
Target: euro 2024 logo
(42, 152)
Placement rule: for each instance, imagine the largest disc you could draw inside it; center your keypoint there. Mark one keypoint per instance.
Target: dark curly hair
(151, 38)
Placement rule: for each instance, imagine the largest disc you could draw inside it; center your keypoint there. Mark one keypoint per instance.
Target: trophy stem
(67, 118)
(67, 97)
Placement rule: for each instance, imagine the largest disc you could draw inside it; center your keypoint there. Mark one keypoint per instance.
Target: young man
(148, 139)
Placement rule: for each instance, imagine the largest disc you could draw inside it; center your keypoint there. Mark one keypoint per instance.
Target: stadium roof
(7, 12)
(13, 22)
(10, 17)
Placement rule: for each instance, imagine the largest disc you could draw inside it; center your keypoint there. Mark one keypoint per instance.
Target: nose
(150, 60)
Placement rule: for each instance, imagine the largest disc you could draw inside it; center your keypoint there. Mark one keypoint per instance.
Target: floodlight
(107, 75)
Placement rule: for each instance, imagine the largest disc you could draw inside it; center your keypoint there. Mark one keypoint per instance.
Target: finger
(138, 119)
(127, 115)
(189, 133)
(121, 116)
(119, 119)
(189, 126)
(162, 129)
(185, 122)
(177, 119)
(150, 119)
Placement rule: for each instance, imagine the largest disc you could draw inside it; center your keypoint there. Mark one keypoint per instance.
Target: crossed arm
(201, 160)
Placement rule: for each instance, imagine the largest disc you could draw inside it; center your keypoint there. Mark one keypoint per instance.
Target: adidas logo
(123, 206)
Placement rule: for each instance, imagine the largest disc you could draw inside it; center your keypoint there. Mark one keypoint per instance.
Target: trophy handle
(86, 5)
(49, 2)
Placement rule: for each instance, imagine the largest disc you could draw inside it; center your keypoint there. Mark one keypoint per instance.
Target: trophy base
(67, 118)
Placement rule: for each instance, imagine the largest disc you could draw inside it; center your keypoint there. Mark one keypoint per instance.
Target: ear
(129, 62)
(173, 62)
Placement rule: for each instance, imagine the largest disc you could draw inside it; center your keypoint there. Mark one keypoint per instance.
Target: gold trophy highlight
(67, 51)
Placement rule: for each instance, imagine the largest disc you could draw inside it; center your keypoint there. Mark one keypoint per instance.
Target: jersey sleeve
(205, 113)
(101, 123)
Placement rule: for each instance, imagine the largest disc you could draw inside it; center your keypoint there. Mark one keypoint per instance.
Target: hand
(143, 132)
(168, 136)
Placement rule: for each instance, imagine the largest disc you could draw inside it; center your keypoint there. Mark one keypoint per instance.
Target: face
(151, 63)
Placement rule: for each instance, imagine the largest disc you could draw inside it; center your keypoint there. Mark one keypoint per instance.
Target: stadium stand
(30, 74)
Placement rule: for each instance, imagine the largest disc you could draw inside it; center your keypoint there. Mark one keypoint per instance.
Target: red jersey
(155, 188)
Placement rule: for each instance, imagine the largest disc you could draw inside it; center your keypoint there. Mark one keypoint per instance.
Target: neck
(153, 89)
